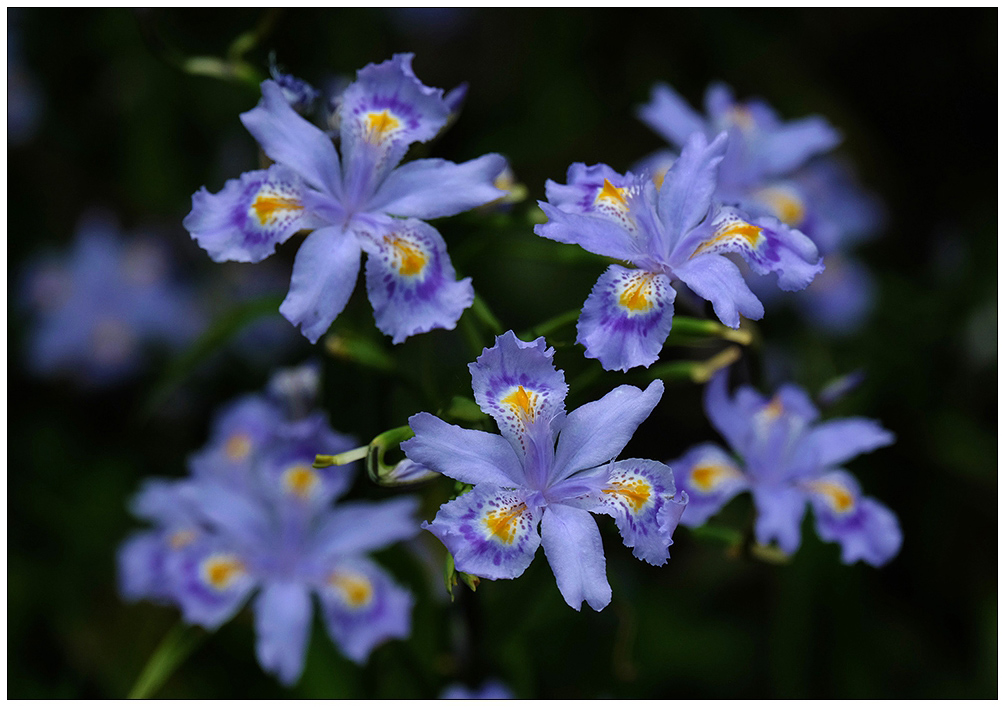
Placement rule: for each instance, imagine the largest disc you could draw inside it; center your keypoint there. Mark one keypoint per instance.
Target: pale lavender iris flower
(783, 169)
(548, 468)
(674, 230)
(255, 518)
(99, 308)
(355, 200)
(786, 459)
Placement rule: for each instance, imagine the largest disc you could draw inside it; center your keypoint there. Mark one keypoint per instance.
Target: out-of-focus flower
(255, 515)
(780, 168)
(99, 307)
(489, 690)
(24, 97)
(524, 477)
(788, 459)
(361, 202)
(675, 232)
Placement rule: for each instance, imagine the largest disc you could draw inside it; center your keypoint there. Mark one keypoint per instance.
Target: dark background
(914, 93)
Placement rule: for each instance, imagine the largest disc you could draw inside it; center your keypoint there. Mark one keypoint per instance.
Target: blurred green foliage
(914, 93)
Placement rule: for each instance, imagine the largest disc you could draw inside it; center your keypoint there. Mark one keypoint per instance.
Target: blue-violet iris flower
(786, 458)
(674, 230)
(362, 201)
(523, 476)
(783, 169)
(98, 307)
(254, 514)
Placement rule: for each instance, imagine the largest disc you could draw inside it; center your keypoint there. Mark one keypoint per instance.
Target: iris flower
(355, 200)
(100, 306)
(254, 515)
(546, 467)
(674, 231)
(787, 459)
(783, 169)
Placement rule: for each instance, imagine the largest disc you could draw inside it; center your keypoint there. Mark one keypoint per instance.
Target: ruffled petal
(383, 112)
(363, 607)
(573, 547)
(731, 417)
(411, 282)
(780, 512)
(490, 531)
(670, 115)
(291, 140)
(716, 279)
(324, 275)
(241, 431)
(865, 528)
(469, 456)
(626, 318)
(282, 628)
(640, 495)
(433, 188)
(517, 383)
(601, 211)
(711, 478)
(210, 582)
(140, 562)
(250, 216)
(363, 526)
(766, 244)
(596, 433)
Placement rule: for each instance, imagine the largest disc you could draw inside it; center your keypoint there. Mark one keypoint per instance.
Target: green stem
(172, 652)
(485, 315)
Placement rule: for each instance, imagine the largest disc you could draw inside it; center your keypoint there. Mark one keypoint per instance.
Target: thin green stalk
(172, 652)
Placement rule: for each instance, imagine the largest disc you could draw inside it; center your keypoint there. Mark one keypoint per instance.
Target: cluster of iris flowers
(747, 197)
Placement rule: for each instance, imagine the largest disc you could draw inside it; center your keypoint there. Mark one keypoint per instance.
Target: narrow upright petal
(363, 607)
(518, 385)
(688, 187)
(291, 140)
(282, 627)
(731, 417)
(469, 456)
(670, 115)
(490, 531)
(711, 478)
(639, 495)
(596, 433)
(433, 188)
(626, 318)
(411, 282)
(716, 279)
(573, 547)
(324, 275)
